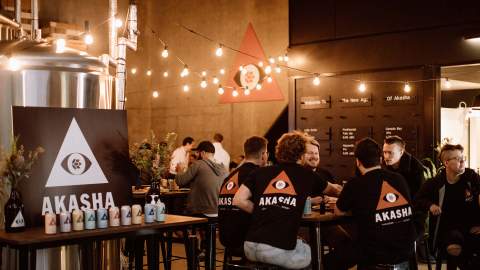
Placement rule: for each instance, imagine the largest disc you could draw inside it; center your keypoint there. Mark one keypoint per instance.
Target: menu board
(315, 102)
(354, 133)
(399, 99)
(325, 149)
(321, 134)
(348, 149)
(355, 101)
(405, 132)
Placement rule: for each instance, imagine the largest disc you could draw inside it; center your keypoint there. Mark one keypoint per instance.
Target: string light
(186, 88)
(258, 86)
(407, 88)
(268, 69)
(88, 39)
(240, 68)
(219, 50)
(204, 73)
(165, 52)
(149, 72)
(118, 23)
(269, 79)
(316, 80)
(133, 71)
(60, 45)
(220, 90)
(185, 71)
(278, 69)
(203, 84)
(13, 64)
(246, 92)
(155, 94)
(285, 58)
(271, 60)
(234, 92)
(362, 87)
(165, 74)
(215, 80)
(222, 71)
(260, 64)
(280, 58)
(448, 84)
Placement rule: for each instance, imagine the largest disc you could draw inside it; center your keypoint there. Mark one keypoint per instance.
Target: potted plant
(15, 167)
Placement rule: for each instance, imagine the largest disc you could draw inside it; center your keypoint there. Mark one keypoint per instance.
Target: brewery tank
(37, 74)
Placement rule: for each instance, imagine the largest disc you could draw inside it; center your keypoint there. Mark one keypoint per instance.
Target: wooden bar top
(316, 217)
(37, 236)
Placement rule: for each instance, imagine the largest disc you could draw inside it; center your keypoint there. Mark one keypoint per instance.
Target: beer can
(50, 223)
(126, 215)
(65, 222)
(114, 216)
(77, 220)
(160, 211)
(102, 218)
(307, 210)
(136, 214)
(149, 213)
(90, 219)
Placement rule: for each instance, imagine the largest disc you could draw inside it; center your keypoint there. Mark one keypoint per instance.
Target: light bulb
(118, 23)
(268, 69)
(271, 60)
(316, 80)
(215, 80)
(407, 88)
(448, 84)
(186, 88)
(185, 71)
(240, 68)
(246, 92)
(219, 51)
(165, 74)
(155, 94)
(362, 87)
(285, 58)
(149, 72)
(204, 73)
(133, 71)
(258, 86)
(88, 39)
(165, 52)
(278, 69)
(222, 71)
(60, 45)
(203, 84)
(234, 92)
(220, 90)
(269, 79)
(13, 64)
(280, 58)
(260, 64)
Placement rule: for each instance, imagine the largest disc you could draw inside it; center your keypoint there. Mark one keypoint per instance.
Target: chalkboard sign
(406, 132)
(354, 133)
(399, 100)
(315, 102)
(348, 149)
(321, 134)
(355, 101)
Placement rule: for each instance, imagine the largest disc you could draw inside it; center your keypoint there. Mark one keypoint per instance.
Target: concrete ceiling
(461, 77)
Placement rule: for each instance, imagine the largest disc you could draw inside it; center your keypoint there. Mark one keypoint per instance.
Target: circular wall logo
(76, 164)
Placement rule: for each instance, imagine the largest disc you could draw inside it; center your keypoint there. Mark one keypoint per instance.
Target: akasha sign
(85, 164)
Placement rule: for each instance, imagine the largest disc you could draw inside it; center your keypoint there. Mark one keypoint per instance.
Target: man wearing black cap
(205, 177)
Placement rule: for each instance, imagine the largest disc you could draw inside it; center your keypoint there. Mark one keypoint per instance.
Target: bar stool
(230, 264)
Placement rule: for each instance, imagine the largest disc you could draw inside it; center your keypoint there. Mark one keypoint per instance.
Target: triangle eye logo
(390, 197)
(280, 184)
(18, 221)
(231, 186)
(75, 163)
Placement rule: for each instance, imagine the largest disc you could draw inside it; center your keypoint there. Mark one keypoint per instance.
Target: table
(314, 222)
(30, 240)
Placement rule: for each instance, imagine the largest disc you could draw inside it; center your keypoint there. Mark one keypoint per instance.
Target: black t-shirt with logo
(278, 194)
(458, 205)
(233, 222)
(381, 204)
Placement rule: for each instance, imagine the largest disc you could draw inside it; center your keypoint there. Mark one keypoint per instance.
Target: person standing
(180, 157)
(221, 155)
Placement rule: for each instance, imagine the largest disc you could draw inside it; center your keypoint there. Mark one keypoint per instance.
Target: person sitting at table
(276, 195)
(380, 202)
(233, 223)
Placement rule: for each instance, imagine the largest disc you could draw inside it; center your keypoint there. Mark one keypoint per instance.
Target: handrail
(5, 20)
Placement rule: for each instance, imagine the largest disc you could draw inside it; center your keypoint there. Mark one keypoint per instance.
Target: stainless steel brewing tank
(35, 74)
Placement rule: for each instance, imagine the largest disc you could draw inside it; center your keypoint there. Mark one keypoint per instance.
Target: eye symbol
(230, 185)
(390, 197)
(280, 184)
(76, 164)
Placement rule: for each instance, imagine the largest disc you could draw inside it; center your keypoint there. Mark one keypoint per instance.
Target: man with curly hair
(276, 197)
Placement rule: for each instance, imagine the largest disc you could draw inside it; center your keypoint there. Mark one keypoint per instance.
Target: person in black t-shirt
(380, 202)
(453, 199)
(276, 198)
(233, 222)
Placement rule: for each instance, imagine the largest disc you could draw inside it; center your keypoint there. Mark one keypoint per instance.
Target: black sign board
(348, 149)
(325, 149)
(411, 147)
(354, 133)
(321, 134)
(356, 101)
(315, 102)
(85, 164)
(406, 132)
(400, 99)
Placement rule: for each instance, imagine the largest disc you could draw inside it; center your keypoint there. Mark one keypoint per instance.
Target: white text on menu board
(355, 100)
(398, 98)
(347, 149)
(348, 133)
(391, 130)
